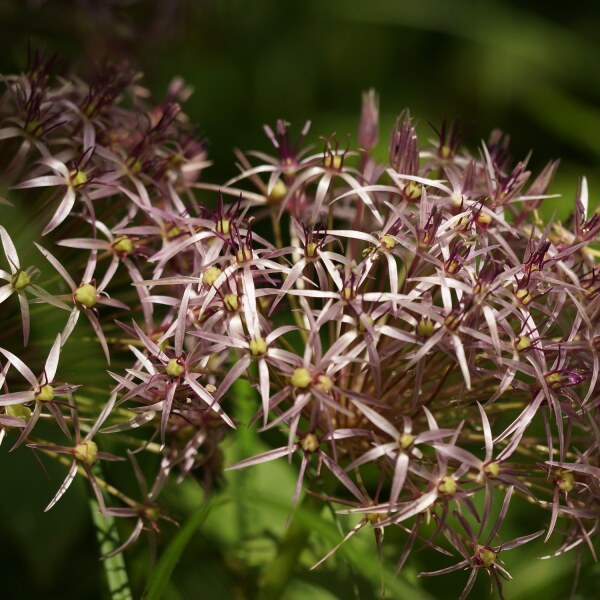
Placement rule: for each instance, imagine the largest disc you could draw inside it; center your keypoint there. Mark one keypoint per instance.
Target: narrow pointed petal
(52, 360)
(62, 212)
(21, 367)
(64, 486)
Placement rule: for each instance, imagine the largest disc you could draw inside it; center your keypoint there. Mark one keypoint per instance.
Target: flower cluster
(415, 328)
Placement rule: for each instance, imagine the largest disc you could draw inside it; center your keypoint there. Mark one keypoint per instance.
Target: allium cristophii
(427, 343)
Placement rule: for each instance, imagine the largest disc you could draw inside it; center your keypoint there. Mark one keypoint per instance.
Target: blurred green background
(530, 69)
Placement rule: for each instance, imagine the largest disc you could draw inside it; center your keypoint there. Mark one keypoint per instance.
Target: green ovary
(45, 393)
(301, 378)
(20, 281)
(86, 452)
(174, 369)
(87, 295)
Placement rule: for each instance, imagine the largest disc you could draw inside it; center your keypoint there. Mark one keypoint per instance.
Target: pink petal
(52, 360)
(21, 367)
(64, 487)
(10, 251)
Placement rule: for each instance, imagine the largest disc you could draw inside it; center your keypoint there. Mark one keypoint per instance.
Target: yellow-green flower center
(20, 281)
(86, 452)
(45, 393)
(413, 191)
(244, 254)
(566, 481)
(231, 303)
(123, 245)
(258, 346)
(324, 384)
(278, 192)
(174, 368)
(374, 517)
(309, 443)
(487, 556)
(87, 295)
(425, 327)
(301, 378)
(332, 161)
(151, 513)
(406, 439)
(223, 226)
(172, 232)
(311, 250)
(447, 486)
(522, 343)
(32, 127)
(134, 165)
(388, 242)
(484, 218)
(452, 266)
(211, 275)
(492, 470)
(452, 322)
(77, 177)
(524, 296)
(554, 380)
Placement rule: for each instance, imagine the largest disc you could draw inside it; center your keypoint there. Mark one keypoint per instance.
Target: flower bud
(368, 128)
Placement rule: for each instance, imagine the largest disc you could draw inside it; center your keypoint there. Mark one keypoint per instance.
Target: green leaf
(114, 566)
(161, 574)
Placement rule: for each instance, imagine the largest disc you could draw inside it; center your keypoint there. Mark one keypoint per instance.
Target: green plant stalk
(114, 566)
(162, 572)
(282, 568)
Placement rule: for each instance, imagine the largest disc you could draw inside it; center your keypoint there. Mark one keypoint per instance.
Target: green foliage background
(530, 69)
